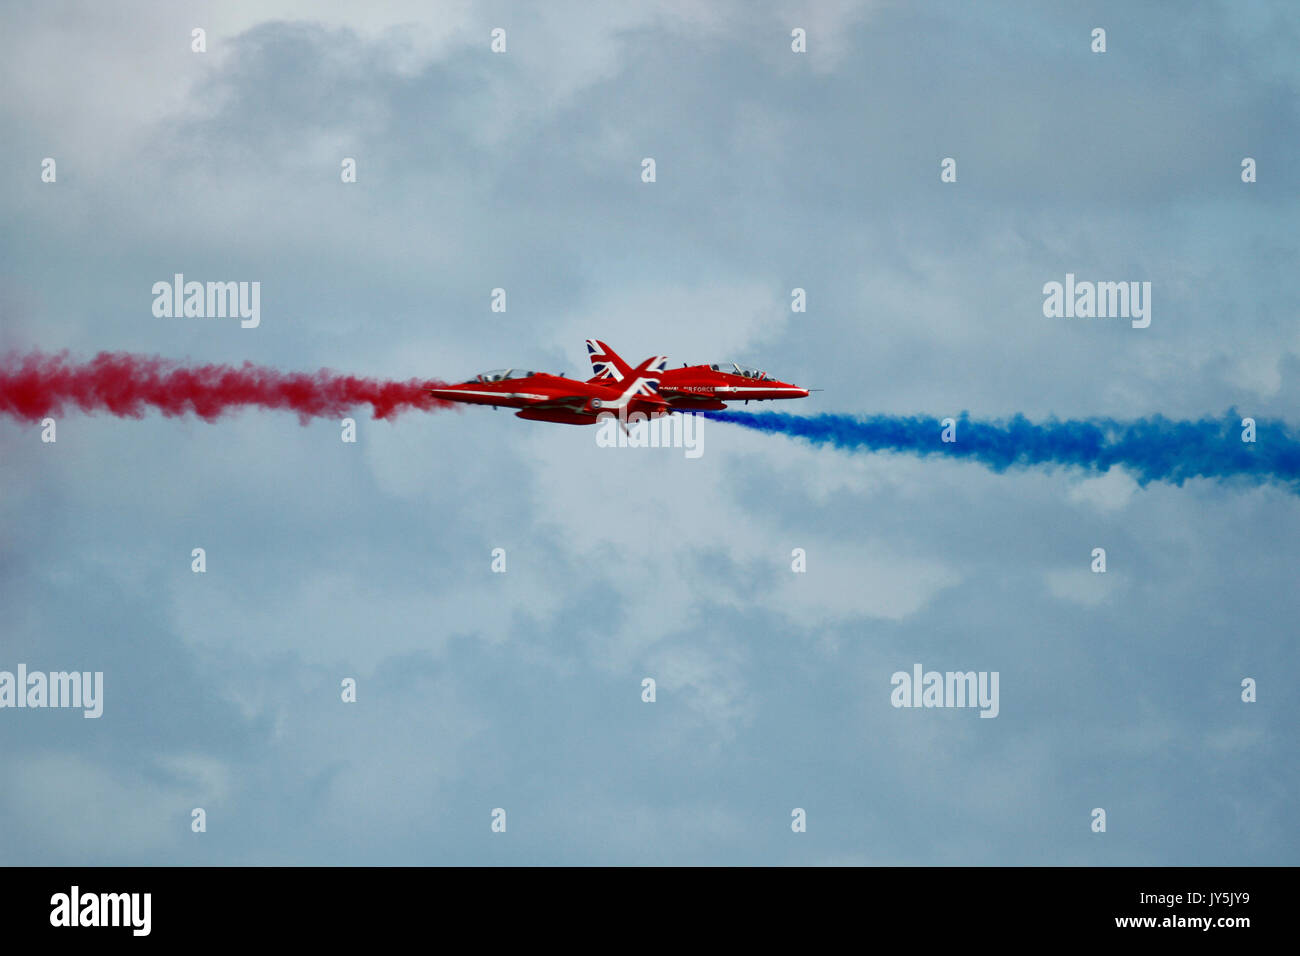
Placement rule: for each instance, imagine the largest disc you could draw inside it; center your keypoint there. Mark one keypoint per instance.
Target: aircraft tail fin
(606, 363)
(645, 377)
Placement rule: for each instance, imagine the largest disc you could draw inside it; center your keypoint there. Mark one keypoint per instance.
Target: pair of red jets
(617, 388)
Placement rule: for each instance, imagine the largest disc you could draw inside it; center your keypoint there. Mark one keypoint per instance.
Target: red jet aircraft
(696, 388)
(553, 398)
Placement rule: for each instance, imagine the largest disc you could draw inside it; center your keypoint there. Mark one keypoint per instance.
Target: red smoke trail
(35, 385)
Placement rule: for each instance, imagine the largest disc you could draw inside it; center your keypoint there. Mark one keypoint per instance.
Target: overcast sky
(774, 170)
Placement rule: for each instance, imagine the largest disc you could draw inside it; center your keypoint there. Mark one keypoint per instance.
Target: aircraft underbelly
(555, 415)
(689, 403)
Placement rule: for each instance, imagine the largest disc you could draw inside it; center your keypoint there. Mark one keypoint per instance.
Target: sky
(774, 170)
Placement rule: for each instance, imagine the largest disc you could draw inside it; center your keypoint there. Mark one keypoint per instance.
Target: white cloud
(1106, 493)
(1082, 586)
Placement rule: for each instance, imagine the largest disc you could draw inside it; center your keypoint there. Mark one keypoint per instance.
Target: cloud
(1107, 493)
(1082, 586)
(522, 690)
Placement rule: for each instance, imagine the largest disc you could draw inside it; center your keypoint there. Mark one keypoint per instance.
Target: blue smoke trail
(1153, 449)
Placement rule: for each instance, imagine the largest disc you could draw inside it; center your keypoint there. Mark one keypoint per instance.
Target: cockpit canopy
(501, 374)
(731, 368)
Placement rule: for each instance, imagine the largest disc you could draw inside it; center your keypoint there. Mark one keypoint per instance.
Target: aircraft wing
(558, 402)
(489, 397)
